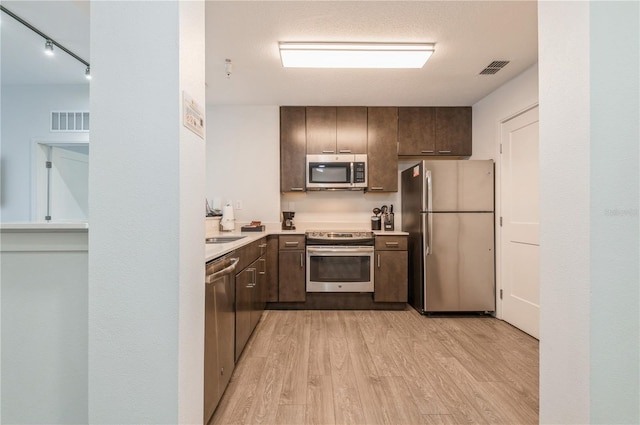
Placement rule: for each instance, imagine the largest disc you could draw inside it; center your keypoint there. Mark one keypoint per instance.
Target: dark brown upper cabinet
(382, 155)
(416, 131)
(292, 148)
(453, 131)
(428, 131)
(332, 130)
(351, 129)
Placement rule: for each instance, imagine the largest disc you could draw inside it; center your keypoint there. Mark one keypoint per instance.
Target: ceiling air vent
(64, 121)
(494, 67)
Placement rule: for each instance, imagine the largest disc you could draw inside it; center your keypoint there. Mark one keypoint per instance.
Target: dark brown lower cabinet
(251, 291)
(245, 288)
(391, 276)
(272, 268)
(291, 268)
(391, 269)
(259, 296)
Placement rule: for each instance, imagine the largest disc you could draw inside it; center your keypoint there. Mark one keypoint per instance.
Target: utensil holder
(388, 222)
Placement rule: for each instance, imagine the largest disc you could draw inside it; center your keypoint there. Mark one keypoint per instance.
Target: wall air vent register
(69, 121)
(494, 67)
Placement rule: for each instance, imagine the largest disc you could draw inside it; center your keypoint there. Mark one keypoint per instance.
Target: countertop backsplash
(339, 209)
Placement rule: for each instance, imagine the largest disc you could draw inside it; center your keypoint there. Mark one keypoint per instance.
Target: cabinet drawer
(391, 243)
(248, 254)
(291, 242)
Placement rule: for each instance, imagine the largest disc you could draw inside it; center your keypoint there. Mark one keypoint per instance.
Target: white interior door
(519, 238)
(69, 183)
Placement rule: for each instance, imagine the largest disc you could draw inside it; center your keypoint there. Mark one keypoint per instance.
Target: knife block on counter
(388, 222)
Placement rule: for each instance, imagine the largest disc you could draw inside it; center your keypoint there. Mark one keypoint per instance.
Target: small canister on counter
(375, 222)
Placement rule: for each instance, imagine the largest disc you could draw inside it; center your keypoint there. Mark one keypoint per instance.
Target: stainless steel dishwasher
(219, 330)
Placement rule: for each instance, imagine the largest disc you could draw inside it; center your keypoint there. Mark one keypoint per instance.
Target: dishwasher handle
(227, 270)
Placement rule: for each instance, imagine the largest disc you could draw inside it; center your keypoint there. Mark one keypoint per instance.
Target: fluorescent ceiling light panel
(355, 55)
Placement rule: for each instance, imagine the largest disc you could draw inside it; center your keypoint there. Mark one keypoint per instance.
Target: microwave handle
(353, 176)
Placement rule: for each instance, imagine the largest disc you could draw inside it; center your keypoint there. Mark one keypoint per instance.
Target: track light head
(48, 48)
(87, 73)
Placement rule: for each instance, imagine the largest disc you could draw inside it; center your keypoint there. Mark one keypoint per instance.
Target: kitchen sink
(224, 239)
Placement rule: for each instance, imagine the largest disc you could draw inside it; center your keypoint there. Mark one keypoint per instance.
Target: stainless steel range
(340, 261)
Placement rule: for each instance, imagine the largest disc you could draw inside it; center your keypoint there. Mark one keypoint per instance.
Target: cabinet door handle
(291, 244)
(264, 266)
(426, 151)
(253, 276)
(328, 151)
(392, 243)
(344, 151)
(444, 151)
(376, 188)
(301, 260)
(264, 245)
(297, 189)
(378, 260)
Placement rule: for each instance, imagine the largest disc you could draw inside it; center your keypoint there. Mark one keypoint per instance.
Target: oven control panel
(339, 237)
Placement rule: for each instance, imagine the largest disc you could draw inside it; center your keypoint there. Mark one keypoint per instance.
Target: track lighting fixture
(48, 41)
(48, 48)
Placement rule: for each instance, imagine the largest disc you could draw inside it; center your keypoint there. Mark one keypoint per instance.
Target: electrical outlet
(238, 205)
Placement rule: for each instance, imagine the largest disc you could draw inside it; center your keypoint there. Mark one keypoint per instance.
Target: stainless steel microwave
(337, 171)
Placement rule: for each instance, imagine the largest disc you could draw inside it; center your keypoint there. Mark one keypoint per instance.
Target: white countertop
(44, 226)
(213, 251)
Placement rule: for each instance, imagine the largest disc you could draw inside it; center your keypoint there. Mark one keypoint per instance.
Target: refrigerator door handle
(429, 228)
(430, 224)
(425, 235)
(427, 200)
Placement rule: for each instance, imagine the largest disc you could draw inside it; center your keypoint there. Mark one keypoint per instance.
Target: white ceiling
(468, 35)
(23, 59)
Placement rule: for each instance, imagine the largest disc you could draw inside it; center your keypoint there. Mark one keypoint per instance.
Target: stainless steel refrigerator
(448, 211)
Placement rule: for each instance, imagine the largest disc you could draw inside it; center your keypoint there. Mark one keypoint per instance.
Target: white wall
(614, 219)
(243, 160)
(589, 160)
(192, 166)
(564, 212)
(511, 98)
(146, 262)
(44, 327)
(243, 163)
(26, 111)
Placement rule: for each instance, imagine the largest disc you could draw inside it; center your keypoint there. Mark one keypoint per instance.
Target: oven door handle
(319, 250)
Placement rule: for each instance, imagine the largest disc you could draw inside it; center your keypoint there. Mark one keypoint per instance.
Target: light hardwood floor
(382, 367)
